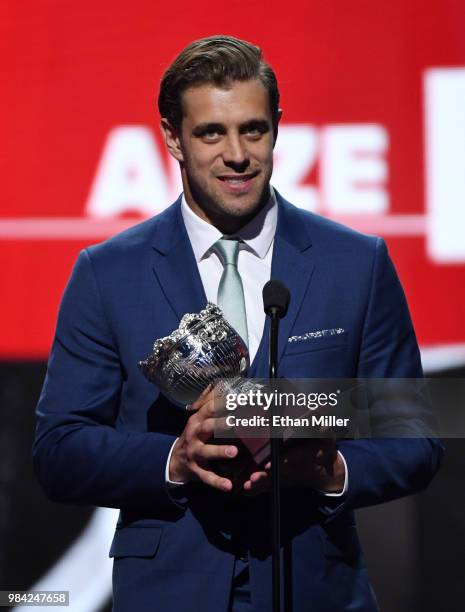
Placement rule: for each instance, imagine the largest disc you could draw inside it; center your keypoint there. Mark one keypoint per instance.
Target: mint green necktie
(230, 290)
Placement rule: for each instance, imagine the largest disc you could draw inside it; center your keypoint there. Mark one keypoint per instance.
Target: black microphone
(275, 303)
(275, 298)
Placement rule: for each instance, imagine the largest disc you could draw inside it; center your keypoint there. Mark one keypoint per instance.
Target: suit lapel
(291, 264)
(177, 272)
(175, 267)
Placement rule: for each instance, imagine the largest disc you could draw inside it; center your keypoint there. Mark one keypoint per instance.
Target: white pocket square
(319, 333)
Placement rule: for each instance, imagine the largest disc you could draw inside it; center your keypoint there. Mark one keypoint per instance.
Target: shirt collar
(257, 235)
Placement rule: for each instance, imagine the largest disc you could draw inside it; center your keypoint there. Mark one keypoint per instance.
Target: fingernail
(188, 406)
(231, 451)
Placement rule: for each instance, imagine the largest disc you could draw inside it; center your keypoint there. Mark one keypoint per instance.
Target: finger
(256, 477)
(219, 427)
(258, 483)
(220, 403)
(194, 406)
(207, 408)
(211, 404)
(205, 429)
(209, 452)
(200, 400)
(213, 480)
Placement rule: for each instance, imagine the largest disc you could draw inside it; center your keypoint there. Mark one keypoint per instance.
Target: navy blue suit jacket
(104, 432)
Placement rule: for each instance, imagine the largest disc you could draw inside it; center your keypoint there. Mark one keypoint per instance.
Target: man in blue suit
(106, 437)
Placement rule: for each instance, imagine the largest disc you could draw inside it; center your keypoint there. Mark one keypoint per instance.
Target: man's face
(226, 151)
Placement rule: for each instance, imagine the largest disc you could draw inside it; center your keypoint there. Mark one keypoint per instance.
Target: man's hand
(310, 463)
(191, 453)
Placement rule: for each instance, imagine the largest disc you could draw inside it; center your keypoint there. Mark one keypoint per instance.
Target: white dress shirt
(254, 267)
(253, 264)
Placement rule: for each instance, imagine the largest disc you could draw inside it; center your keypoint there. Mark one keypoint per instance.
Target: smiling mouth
(237, 179)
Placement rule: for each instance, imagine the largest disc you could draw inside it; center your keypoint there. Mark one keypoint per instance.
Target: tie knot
(227, 250)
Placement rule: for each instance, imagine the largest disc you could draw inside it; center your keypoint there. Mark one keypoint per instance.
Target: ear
(172, 139)
(278, 119)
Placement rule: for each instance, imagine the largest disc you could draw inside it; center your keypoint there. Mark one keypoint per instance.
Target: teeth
(236, 180)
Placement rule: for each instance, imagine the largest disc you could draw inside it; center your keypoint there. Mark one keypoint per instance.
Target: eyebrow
(203, 128)
(260, 124)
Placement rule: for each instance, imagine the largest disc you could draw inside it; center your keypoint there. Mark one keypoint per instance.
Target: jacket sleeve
(79, 456)
(381, 468)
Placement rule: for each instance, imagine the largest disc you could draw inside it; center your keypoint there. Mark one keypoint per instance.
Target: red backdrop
(82, 156)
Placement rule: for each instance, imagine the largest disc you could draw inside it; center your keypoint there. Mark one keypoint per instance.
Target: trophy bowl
(203, 349)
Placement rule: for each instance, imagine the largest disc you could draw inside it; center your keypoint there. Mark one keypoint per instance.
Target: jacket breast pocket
(136, 542)
(300, 344)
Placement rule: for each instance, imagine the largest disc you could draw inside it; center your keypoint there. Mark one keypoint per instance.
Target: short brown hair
(219, 60)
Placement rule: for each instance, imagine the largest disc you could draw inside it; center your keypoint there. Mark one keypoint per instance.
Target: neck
(226, 225)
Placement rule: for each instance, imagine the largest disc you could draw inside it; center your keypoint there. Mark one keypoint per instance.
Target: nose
(235, 154)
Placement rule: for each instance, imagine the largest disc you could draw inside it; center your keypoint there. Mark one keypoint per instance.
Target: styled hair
(220, 60)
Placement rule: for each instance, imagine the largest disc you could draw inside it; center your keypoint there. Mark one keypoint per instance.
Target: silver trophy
(204, 348)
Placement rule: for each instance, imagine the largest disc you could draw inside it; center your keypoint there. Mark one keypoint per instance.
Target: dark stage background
(414, 547)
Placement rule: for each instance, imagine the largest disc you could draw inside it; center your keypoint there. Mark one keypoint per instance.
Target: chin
(240, 208)
(243, 211)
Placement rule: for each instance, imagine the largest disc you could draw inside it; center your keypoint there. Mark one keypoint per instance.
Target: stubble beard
(220, 212)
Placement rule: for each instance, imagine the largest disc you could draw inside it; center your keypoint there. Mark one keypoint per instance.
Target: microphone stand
(275, 444)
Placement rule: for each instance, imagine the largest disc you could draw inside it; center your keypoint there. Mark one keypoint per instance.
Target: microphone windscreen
(275, 296)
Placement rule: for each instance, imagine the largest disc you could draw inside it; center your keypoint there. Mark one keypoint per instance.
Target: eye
(254, 134)
(210, 132)
(256, 130)
(210, 135)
